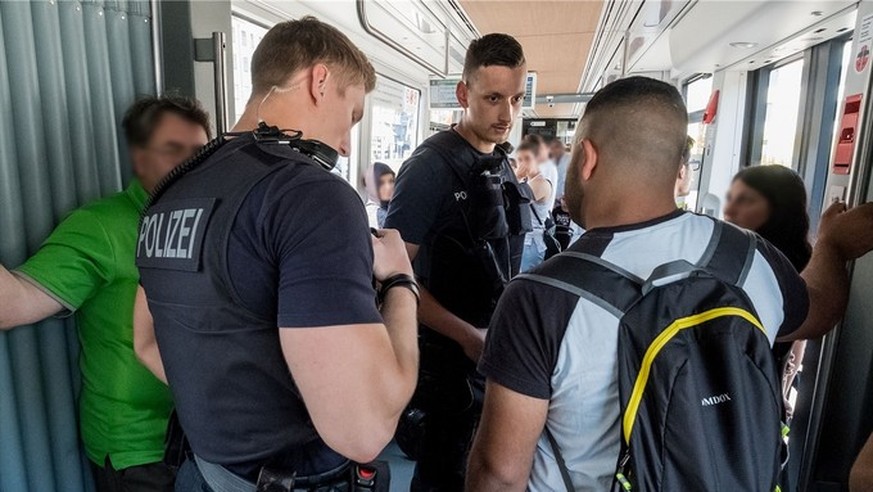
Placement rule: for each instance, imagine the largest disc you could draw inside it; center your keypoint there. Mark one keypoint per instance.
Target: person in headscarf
(379, 181)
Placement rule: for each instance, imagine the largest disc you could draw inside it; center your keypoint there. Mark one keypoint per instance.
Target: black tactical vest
(234, 395)
(470, 265)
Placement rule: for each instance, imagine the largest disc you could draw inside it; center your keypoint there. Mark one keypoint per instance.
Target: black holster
(370, 477)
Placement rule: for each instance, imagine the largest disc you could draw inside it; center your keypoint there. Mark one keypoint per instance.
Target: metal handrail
(365, 23)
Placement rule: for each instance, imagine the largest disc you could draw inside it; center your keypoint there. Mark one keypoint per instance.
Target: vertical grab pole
(219, 50)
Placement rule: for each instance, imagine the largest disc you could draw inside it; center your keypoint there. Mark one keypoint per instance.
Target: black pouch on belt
(370, 477)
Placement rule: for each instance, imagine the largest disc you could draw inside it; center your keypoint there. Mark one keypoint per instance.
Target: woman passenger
(379, 181)
(528, 171)
(771, 200)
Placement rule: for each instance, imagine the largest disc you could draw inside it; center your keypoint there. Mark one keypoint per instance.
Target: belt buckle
(274, 481)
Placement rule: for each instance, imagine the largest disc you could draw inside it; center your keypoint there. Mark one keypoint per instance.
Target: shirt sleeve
(74, 262)
(418, 195)
(321, 241)
(795, 297)
(525, 336)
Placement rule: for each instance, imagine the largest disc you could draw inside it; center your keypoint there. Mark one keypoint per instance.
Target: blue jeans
(189, 479)
(531, 257)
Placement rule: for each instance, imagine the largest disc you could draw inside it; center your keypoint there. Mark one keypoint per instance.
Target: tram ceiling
(556, 36)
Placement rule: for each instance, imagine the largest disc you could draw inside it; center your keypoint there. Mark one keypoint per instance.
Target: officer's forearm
(433, 315)
(399, 314)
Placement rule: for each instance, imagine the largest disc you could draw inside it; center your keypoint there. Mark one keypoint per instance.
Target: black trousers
(153, 477)
(451, 394)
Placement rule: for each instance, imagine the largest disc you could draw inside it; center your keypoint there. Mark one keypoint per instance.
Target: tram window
(443, 119)
(347, 167)
(566, 130)
(783, 110)
(246, 36)
(394, 122)
(847, 52)
(697, 94)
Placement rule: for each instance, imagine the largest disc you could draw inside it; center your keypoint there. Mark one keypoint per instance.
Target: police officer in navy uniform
(257, 264)
(456, 205)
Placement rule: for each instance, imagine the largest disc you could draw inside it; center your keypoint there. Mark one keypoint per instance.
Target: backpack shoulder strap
(593, 278)
(559, 458)
(721, 257)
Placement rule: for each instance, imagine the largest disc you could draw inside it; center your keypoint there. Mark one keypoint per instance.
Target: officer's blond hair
(298, 44)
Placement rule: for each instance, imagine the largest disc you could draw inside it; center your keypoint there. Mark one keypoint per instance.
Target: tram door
(842, 402)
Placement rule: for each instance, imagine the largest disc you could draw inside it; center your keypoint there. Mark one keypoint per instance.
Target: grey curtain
(68, 70)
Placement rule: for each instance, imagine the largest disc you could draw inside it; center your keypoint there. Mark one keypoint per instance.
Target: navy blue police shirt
(305, 231)
(427, 211)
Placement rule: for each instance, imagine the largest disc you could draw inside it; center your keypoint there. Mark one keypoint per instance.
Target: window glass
(847, 52)
(394, 122)
(783, 110)
(697, 94)
(347, 167)
(246, 36)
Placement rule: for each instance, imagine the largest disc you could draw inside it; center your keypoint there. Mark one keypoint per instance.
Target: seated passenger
(87, 267)
(283, 368)
(771, 200)
(551, 356)
(379, 181)
(528, 171)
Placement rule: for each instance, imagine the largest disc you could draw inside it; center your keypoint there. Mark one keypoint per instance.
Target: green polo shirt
(87, 264)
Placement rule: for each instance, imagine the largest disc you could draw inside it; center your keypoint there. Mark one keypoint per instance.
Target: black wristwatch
(400, 280)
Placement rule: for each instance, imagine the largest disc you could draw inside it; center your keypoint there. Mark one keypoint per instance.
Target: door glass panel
(394, 123)
(246, 36)
(783, 110)
(697, 96)
(847, 52)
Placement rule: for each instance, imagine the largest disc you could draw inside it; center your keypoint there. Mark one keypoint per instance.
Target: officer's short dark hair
(298, 44)
(638, 121)
(492, 49)
(143, 116)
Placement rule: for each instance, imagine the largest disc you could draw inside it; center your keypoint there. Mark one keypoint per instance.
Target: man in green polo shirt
(87, 267)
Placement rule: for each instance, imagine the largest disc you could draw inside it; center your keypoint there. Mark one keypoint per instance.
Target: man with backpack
(640, 358)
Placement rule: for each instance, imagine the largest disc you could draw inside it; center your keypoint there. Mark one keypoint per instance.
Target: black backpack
(553, 246)
(699, 390)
